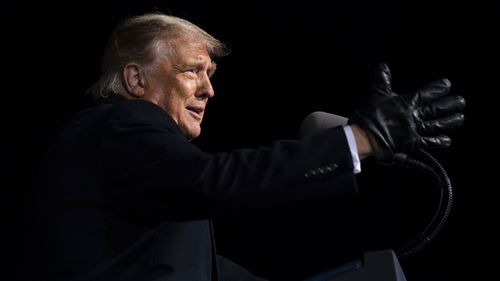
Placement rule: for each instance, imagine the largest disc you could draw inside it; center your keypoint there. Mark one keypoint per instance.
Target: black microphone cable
(440, 217)
(320, 120)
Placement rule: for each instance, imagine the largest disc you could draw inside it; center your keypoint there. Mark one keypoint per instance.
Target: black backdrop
(287, 60)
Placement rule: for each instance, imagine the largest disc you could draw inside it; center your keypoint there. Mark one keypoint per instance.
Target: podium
(374, 266)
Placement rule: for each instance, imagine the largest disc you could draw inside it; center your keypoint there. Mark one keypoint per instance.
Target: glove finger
(443, 124)
(442, 107)
(439, 141)
(432, 91)
(381, 83)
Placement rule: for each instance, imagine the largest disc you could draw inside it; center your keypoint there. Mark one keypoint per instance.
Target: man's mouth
(196, 111)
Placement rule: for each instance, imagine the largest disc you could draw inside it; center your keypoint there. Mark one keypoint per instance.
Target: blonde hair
(140, 39)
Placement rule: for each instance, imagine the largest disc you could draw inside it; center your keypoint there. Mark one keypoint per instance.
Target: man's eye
(193, 70)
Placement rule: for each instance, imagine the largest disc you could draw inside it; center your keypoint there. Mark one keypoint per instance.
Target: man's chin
(192, 132)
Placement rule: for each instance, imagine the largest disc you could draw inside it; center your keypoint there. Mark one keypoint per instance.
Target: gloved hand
(402, 123)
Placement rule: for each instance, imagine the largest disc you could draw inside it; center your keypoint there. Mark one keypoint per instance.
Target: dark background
(287, 60)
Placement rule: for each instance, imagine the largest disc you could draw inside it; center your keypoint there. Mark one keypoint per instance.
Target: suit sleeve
(148, 168)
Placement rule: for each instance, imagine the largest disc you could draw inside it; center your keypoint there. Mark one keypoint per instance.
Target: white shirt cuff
(353, 148)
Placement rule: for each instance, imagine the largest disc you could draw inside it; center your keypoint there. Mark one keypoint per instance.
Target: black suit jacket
(125, 196)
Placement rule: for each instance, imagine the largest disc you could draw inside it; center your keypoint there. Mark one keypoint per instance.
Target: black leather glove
(402, 123)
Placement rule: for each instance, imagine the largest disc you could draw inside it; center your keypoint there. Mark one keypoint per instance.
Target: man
(124, 195)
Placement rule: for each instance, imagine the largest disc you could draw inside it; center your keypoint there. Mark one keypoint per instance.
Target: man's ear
(133, 80)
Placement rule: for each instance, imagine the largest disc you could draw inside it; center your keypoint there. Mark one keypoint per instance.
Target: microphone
(319, 120)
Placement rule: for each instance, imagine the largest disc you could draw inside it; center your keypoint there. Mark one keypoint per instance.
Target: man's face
(180, 84)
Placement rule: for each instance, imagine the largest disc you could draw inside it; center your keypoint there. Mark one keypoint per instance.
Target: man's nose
(205, 88)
